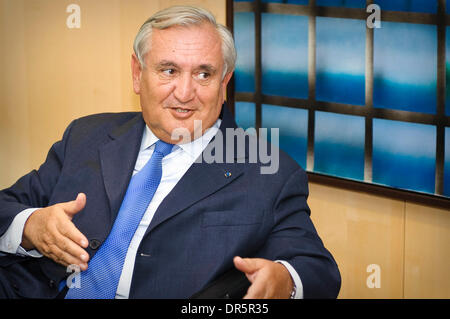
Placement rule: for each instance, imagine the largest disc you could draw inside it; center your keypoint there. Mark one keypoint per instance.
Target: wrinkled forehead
(197, 43)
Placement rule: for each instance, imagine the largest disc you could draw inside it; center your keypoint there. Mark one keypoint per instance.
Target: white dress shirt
(174, 166)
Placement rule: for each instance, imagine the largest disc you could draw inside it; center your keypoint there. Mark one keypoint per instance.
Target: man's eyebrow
(203, 67)
(165, 64)
(207, 67)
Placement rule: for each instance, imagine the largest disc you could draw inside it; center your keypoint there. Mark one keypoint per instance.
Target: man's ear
(136, 72)
(226, 79)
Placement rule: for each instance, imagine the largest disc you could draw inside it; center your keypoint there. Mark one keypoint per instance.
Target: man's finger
(69, 230)
(63, 257)
(72, 248)
(75, 206)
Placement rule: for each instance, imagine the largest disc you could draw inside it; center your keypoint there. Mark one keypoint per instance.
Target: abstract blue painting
(404, 155)
(339, 145)
(284, 54)
(405, 78)
(405, 67)
(293, 129)
(340, 61)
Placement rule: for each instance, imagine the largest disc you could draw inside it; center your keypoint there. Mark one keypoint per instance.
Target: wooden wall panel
(15, 152)
(427, 252)
(361, 230)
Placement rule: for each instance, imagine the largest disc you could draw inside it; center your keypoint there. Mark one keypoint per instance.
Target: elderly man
(125, 198)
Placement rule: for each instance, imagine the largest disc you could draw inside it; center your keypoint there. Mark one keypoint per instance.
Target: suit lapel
(199, 181)
(118, 158)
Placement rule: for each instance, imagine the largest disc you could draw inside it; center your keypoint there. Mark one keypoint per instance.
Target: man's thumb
(246, 265)
(73, 207)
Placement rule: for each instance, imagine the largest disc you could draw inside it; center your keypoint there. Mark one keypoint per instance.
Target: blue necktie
(101, 278)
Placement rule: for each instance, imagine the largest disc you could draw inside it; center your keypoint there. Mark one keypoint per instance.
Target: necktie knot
(163, 147)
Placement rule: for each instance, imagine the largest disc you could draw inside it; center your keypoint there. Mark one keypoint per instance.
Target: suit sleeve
(295, 240)
(35, 188)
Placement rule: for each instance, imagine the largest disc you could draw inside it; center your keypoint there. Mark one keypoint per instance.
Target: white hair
(184, 16)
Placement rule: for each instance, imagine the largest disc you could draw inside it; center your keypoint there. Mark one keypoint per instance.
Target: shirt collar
(194, 148)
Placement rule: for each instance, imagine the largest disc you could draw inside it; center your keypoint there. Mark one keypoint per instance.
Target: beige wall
(410, 243)
(51, 74)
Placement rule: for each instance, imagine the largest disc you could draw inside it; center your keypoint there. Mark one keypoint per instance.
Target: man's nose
(185, 88)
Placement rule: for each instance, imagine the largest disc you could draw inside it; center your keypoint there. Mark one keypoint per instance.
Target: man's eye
(203, 75)
(168, 71)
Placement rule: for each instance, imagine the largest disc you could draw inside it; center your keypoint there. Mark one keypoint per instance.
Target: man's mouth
(181, 113)
(182, 110)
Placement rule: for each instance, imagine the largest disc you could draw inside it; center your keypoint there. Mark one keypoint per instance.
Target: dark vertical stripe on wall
(258, 65)
(441, 70)
(368, 145)
(311, 83)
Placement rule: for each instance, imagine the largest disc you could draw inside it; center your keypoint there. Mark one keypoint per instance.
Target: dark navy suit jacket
(215, 212)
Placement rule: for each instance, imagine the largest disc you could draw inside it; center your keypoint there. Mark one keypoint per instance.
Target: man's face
(182, 81)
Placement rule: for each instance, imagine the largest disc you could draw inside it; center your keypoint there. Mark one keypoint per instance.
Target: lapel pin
(227, 174)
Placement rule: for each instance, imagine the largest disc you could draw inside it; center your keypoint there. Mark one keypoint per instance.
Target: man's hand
(50, 230)
(268, 279)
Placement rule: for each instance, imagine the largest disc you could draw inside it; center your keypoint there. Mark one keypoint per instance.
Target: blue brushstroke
(342, 3)
(404, 172)
(244, 34)
(284, 53)
(428, 6)
(405, 67)
(285, 84)
(404, 155)
(293, 129)
(339, 145)
(341, 88)
(244, 81)
(340, 61)
(415, 98)
(245, 114)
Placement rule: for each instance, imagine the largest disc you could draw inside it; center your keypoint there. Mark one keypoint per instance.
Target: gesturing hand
(50, 230)
(268, 279)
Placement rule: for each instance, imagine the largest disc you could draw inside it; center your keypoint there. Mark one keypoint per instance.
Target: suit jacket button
(94, 244)
(52, 283)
